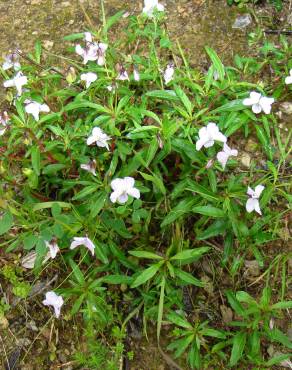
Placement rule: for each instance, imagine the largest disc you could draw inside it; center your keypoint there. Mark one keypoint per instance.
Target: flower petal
(256, 108)
(250, 204)
(258, 190)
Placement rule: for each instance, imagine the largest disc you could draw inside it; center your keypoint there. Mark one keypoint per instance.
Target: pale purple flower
(92, 51)
(252, 203)
(53, 247)
(150, 6)
(17, 81)
(99, 137)
(54, 300)
(85, 241)
(122, 74)
(136, 74)
(90, 167)
(34, 108)
(225, 154)
(11, 61)
(168, 73)
(259, 103)
(122, 188)
(208, 135)
(288, 79)
(4, 119)
(88, 77)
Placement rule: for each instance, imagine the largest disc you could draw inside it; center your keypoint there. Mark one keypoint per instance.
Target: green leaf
(239, 341)
(179, 320)
(74, 36)
(145, 254)
(146, 274)
(282, 305)
(213, 333)
(204, 192)
(36, 159)
(190, 253)
(277, 359)
(163, 95)
(53, 168)
(231, 106)
(38, 52)
(113, 20)
(219, 67)
(157, 181)
(277, 336)
(185, 100)
(85, 192)
(77, 272)
(160, 307)
(217, 228)
(209, 211)
(235, 304)
(44, 205)
(117, 279)
(183, 207)
(86, 104)
(187, 278)
(6, 222)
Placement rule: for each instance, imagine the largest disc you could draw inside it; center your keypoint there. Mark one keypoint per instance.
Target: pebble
(245, 159)
(48, 44)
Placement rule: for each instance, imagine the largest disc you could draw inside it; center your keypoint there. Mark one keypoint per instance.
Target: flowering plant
(128, 169)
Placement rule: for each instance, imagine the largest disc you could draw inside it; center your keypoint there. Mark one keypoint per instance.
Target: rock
(48, 44)
(245, 159)
(226, 313)
(32, 326)
(252, 268)
(242, 21)
(3, 322)
(286, 107)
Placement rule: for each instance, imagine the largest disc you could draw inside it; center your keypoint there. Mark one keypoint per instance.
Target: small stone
(245, 159)
(48, 44)
(226, 313)
(252, 268)
(242, 21)
(251, 145)
(32, 326)
(71, 22)
(3, 322)
(65, 4)
(286, 107)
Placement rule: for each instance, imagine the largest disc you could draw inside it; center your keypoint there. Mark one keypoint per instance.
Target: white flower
(123, 74)
(11, 61)
(34, 108)
(288, 79)
(54, 300)
(122, 188)
(99, 137)
(168, 73)
(92, 51)
(4, 119)
(259, 103)
(101, 49)
(252, 203)
(53, 247)
(208, 135)
(90, 167)
(225, 154)
(88, 77)
(136, 74)
(17, 81)
(150, 6)
(83, 241)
